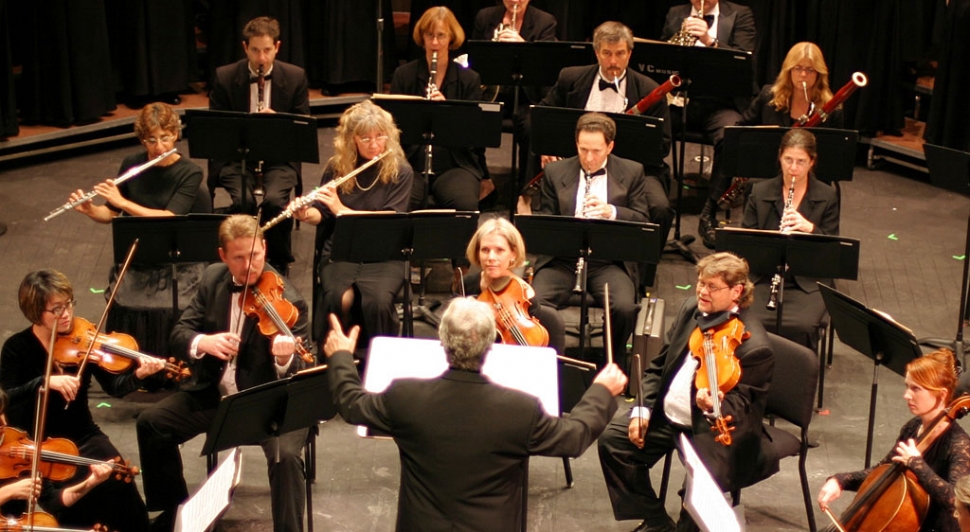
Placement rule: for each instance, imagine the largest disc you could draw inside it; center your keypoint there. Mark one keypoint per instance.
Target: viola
(40, 522)
(264, 300)
(891, 498)
(719, 369)
(114, 352)
(58, 458)
(512, 318)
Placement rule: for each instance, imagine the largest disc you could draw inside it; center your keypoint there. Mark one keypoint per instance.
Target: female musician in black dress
(930, 381)
(457, 172)
(802, 84)
(359, 292)
(793, 201)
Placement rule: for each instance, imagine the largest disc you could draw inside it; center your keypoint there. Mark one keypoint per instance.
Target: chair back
(793, 384)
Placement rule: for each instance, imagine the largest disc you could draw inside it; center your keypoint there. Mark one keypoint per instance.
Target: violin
(114, 352)
(264, 301)
(719, 369)
(891, 499)
(40, 522)
(512, 318)
(58, 458)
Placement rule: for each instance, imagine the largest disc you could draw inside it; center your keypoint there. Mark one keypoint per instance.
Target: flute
(132, 172)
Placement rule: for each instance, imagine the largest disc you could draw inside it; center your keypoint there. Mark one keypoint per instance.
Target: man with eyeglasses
(47, 300)
(261, 84)
(673, 405)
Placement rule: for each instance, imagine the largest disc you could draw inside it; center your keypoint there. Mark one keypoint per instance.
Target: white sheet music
(704, 499)
(212, 498)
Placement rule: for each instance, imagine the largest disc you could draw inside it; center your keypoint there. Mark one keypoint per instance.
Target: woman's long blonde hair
(362, 118)
(782, 89)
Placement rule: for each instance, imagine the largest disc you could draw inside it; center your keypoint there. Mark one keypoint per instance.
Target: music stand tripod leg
(680, 244)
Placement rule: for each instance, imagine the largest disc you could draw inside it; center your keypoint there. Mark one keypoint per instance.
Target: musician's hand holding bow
(149, 366)
(637, 430)
(829, 492)
(792, 220)
(223, 346)
(20, 490)
(705, 401)
(66, 385)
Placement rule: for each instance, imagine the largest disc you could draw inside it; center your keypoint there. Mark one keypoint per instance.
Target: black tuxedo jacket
(575, 83)
(208, 313)
(464, 442)
(537, 25)
(749, 458)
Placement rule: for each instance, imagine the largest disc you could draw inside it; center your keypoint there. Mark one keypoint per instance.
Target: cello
(891, 499)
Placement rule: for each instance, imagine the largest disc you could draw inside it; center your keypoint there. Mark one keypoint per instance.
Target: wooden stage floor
(912, 238)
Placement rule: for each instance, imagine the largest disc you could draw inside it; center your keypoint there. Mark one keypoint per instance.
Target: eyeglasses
(701, 285)
(430, 36)
(804, 70)
(165, 139)
(378, 139)
(59, 309)
(799, 163)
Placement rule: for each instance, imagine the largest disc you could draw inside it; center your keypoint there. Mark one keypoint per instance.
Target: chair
(791, 398)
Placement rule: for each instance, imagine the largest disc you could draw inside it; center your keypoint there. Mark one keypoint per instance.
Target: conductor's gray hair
(467, 331)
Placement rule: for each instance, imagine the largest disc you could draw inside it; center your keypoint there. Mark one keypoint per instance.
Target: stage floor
(912, 238)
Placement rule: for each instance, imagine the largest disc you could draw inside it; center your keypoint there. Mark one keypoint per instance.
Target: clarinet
(429, 90)
(777, 279)
(581, 262)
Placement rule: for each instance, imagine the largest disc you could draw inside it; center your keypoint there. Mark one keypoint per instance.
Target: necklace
(377, 178)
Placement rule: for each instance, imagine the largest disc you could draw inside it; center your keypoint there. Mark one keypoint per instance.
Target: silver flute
(132, 172)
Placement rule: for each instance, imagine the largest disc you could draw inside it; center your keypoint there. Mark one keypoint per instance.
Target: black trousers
(279, 179)
(710, 117)
(455, 188)
(801, 312)
(182, 416)
(375, 286)
(554, 282)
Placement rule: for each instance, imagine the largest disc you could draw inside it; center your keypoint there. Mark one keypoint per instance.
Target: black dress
(376, 283)
(762, 113)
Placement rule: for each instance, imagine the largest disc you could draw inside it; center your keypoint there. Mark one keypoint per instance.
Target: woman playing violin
(930, 381)
(497, 248)
(361, 293)
(47, 300)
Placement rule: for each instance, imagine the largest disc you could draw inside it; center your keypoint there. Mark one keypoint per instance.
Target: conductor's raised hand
(613, 378)
(337, 340)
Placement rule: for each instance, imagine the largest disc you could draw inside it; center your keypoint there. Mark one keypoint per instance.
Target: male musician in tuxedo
(610, 86)
(464, 442)
(227, 353)
(594, 184)
(237, 87)
(673, 405)
(723, 25)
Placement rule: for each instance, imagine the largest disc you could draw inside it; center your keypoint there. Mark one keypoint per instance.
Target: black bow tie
(709, 19)
(255, 79)
(235, 288)
(601, 171)
(609, 85)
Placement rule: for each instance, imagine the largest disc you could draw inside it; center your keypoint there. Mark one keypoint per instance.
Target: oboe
(777, 279)
(581, 262)
(429, 90)
(260, 89)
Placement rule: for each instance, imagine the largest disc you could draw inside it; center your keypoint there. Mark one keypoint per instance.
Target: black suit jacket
(464, 442)
(537, 25)
(575, 83)
(749, 458)
(230, 92)
(208, 313)
(820, 206)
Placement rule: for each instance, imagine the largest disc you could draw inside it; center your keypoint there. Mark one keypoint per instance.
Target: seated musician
(945, 458)
(47, 301)
(282, 89)
(594, 184)
(463, 439)
(802, 84)
(723, 25)
(610, 86)
(360, 293)
(455, 172)
(15, 493)
(497, 248)
(674, 405)
(143, 303)
(807, 206)
(227, 353)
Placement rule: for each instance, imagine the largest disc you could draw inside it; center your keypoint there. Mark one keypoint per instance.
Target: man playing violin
(227, 353)
(47, 300)
(673, 405)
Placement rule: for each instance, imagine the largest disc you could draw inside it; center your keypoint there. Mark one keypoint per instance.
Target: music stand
(404, 237)
(524, 64)
(567, 237)
(950, 170)
(170, 240)
(875, 335)
(237, 136)
(710, 72)
(744, 152)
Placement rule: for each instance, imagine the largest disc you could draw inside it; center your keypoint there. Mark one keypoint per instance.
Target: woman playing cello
(930, 381)
(497, 248)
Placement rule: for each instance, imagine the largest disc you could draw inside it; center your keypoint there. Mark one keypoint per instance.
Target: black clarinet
(581, 262)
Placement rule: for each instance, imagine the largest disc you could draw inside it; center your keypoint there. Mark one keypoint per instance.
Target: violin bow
(104, 315)
(637, 376)
(40, 417)
(607, 335)
(835, 520)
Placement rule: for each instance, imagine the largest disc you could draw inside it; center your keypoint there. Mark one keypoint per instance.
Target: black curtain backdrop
(8, 100)
(342, 42)
(949, 120)
(226, 21)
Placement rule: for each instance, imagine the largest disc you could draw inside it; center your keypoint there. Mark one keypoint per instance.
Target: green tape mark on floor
(104, 405)
(893, 237)
(96, 290)
(959, 257)
(685, 287)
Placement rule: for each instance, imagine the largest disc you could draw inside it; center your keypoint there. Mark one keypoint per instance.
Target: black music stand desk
(405, 237)
(875, 335)
(749, 151)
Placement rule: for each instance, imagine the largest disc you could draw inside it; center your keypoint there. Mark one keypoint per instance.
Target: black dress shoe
(663, 524)
(705, 228)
